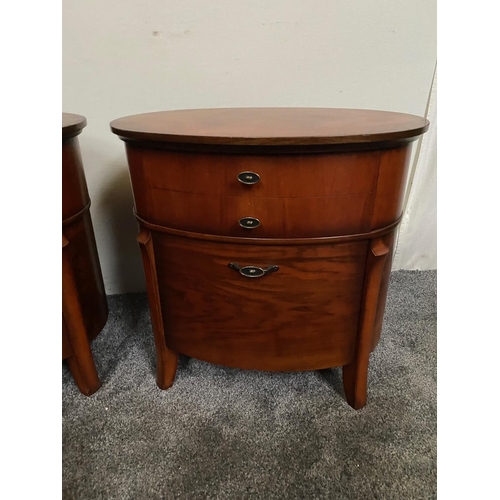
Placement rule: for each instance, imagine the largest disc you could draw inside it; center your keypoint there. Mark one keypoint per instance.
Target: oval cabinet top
(72, 124)
(271, 127)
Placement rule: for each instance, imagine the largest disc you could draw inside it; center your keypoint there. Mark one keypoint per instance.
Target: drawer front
(269, 176)
(261, 307)
(291, 195)
(245, 216)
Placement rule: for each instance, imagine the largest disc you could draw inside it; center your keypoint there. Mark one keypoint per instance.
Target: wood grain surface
(390, 240)
(326, 198)
(355, 374)
(270, 126)
(303, 316)
(166, 359)
(75, 196)
(85, 308)
(72, 125)
(297, 196)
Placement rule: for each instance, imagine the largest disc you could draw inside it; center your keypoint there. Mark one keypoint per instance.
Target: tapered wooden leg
(81, 362)
(166, 359)
(355, 374)
(84, 375)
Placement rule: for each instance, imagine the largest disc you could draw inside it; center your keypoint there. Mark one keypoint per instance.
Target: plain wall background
(125, 57)
(417, 239)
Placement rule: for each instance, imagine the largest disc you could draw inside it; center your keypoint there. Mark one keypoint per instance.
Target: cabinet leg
(81, 362)
(166, 359)
(166, 367)
(355, 374)
(84, 374)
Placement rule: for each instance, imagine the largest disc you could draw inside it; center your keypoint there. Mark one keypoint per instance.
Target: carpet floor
(223, 433)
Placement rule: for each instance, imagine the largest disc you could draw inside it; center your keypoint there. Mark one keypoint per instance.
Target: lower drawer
(302, 316)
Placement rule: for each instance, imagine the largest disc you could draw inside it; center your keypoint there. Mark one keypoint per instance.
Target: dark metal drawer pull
(248, 178)
(253, 271)
(249, 222)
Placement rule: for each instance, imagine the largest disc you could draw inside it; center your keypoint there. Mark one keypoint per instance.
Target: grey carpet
(222, 433)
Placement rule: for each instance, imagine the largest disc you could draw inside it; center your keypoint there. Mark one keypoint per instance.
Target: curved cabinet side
(85, 308)
(86, 269)
(81, 361)
(392, 175)
(75, 195)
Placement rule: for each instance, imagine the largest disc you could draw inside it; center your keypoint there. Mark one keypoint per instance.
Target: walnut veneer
(84, 304)
(267, 234)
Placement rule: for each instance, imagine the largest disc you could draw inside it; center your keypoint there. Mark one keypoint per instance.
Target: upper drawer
(285, 176)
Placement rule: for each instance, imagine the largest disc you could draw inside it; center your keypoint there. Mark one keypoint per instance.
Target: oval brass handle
(253, 271)
(249, 222)
(248, 178)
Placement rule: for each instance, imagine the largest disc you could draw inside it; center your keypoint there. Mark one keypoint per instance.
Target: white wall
(417, 240)
(122, 57)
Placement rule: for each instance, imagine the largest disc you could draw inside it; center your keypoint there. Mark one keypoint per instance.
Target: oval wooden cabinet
(267, 233)
(84, 305)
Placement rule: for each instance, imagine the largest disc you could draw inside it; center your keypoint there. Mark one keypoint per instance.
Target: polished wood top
(72, 124)
(270, 126)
